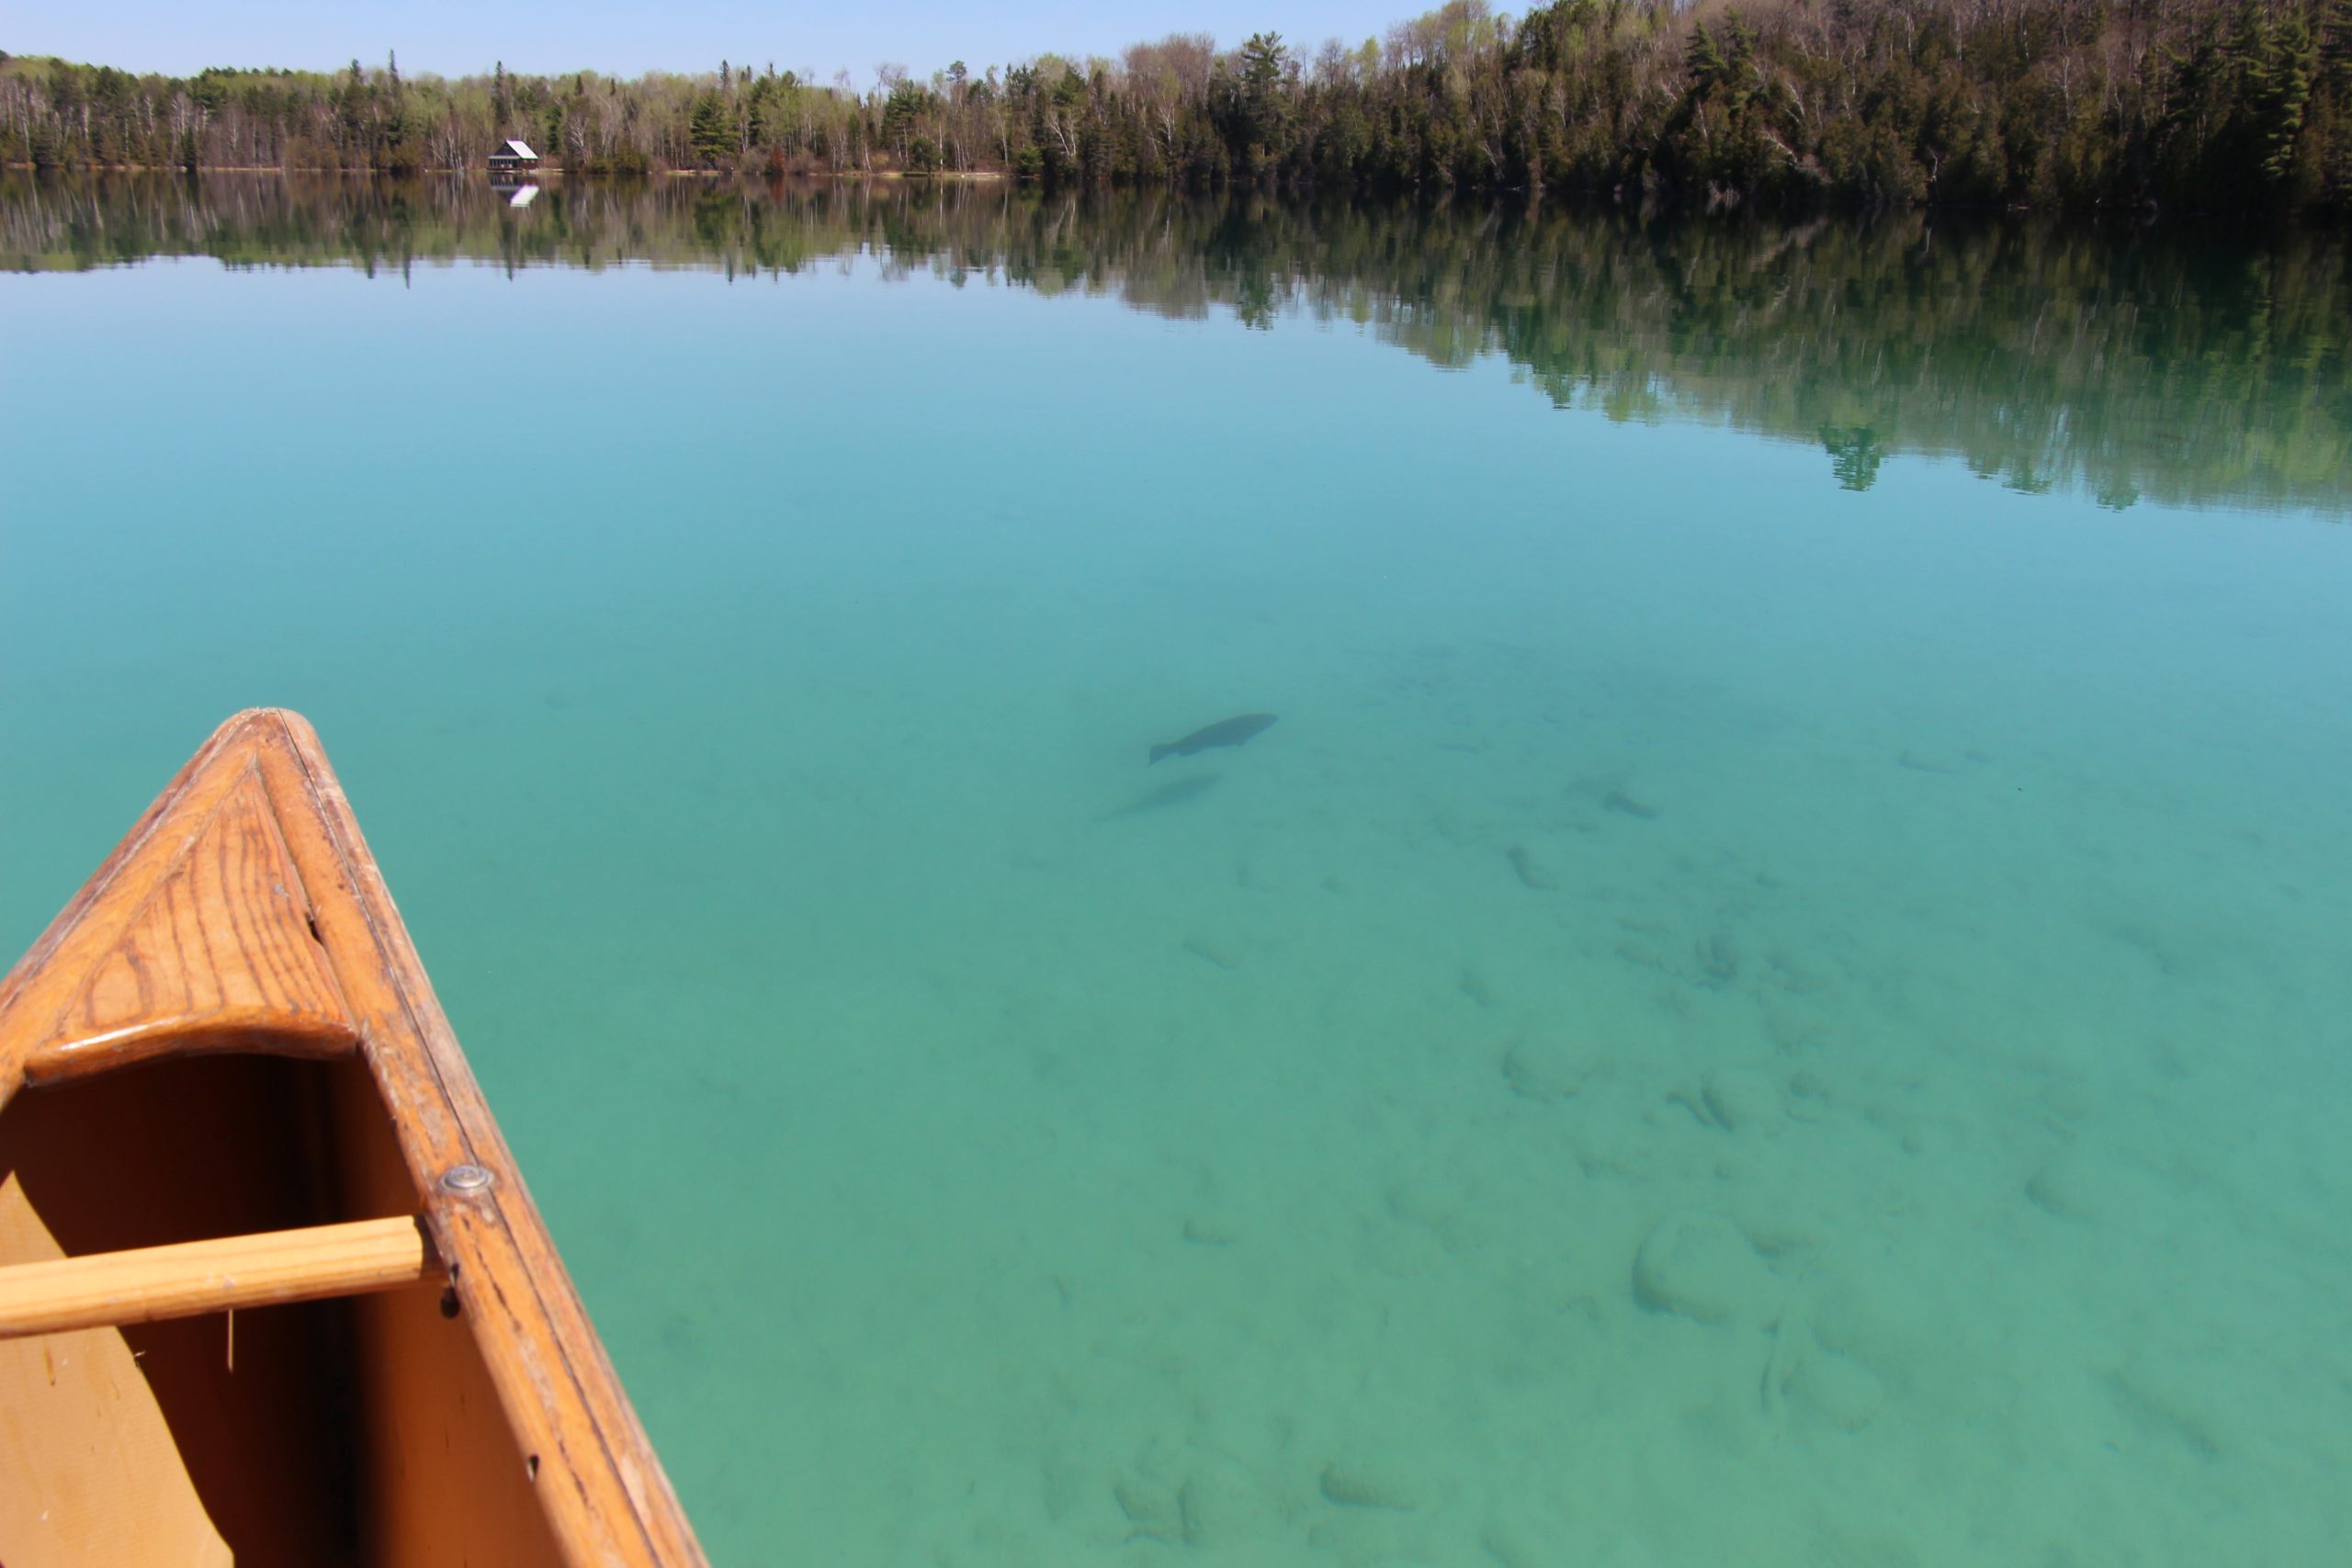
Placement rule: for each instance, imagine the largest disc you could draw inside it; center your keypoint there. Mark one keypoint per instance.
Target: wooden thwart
(190, 1279)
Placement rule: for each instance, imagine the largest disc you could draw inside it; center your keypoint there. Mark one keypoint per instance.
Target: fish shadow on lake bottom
(1175, 793)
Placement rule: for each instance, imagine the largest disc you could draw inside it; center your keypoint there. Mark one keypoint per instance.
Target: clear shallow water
(1734, 1018)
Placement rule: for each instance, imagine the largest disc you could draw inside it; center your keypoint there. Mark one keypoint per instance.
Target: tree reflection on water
(2185, 366)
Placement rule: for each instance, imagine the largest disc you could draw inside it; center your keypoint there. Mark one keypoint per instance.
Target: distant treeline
(2204, 105)
(2108, 356)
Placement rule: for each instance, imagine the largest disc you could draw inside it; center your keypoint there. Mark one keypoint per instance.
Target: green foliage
(1264, 75)
(2226, 106)
(712, 129)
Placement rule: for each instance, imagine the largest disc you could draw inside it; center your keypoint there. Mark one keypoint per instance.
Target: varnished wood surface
(200, 939)
(148, 1284)
(244, 913)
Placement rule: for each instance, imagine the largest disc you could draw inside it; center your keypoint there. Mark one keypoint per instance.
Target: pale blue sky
(454, 38)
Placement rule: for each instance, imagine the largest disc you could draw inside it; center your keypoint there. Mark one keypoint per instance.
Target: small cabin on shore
(514, 157)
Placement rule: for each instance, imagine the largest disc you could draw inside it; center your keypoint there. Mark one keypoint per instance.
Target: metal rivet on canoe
(467, 1181)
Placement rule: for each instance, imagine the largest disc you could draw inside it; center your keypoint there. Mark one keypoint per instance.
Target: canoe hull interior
(358, 1429)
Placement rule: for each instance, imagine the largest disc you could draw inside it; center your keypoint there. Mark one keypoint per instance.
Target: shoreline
(536, 175)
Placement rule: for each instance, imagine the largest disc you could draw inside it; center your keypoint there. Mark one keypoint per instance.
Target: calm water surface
(1778, 994)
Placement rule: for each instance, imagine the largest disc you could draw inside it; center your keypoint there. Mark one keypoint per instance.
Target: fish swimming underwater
(1225, 732)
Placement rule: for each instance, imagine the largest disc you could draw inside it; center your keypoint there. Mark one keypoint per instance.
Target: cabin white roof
(514, 149)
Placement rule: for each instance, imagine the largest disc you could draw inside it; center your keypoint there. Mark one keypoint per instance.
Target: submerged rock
(1545, 1067)
(1742, 1098)
(1700, 1265)
(1361, 1481)
(1836, 1389)
(1530, 873)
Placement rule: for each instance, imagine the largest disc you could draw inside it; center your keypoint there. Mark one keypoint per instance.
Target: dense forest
(2201, 105)
(2102, 355)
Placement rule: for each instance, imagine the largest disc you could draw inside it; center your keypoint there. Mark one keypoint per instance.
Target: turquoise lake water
(1734, 1018)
